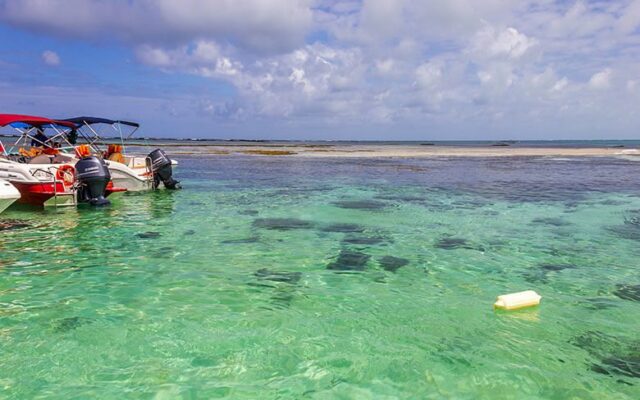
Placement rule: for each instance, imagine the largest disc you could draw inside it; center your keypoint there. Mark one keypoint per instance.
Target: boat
(8, 194)
(46, 169)
(133, 172)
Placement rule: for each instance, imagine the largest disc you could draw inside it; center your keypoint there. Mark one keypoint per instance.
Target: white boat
(133, 172)
(8, 194)
(38, 166)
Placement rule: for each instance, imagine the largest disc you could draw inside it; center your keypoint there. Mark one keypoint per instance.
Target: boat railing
(54, 180)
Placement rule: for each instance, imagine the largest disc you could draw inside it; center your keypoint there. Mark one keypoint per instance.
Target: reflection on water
(353, 278)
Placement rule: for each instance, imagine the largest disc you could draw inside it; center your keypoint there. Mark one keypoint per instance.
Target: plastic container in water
(515, 301)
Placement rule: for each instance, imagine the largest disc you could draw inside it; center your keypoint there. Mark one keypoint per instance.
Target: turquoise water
(334, 278)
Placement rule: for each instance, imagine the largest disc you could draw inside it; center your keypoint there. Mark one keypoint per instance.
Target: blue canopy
(94, 120)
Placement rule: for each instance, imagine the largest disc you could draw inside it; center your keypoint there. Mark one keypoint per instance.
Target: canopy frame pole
(26, 135)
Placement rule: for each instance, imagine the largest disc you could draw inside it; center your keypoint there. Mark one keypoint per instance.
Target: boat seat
(61, 159)
(117, 157)
(41, 159)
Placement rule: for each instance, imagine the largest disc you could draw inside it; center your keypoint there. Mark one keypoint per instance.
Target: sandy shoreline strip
(408, 151)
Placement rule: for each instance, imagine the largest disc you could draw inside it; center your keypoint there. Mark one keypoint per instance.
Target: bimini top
(29, 120)
(94, 120)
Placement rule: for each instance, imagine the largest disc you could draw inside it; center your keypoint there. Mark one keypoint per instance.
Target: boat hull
(44, 194)
(135, 177)
(8, 194)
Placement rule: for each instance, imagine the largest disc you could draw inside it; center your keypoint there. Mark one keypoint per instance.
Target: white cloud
(51, 58)
(560, 85)
(256, 25)
(601, 80)
(459, 64)
(428, 74)
(508, 42)
(385, 66)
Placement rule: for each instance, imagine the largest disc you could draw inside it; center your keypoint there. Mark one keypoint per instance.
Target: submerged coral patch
(349, 260)
(278, 276)
(10, 224)
(392, 264)
(363, 240)
(451, 243)
(343, 228)
(626, 231)
(625, 364)
(281, 224)
(551, 221)
(252, 239)
(556, 267)
(630, 229)
(149, 235)
(68, 324)
(541, 274)
(628, 292)
(249, 212)
(367, 205)
(618, 356)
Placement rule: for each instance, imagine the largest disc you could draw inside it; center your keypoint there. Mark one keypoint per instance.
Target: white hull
(33, 181)
(134, 175)
(8, 194)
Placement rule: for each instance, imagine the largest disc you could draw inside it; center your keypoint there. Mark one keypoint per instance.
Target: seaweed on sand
(270, 152)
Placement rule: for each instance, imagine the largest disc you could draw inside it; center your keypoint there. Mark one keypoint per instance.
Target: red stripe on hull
(113, 189)
(38, 193)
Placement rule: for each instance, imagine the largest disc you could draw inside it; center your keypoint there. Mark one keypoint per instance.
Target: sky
(327, 69)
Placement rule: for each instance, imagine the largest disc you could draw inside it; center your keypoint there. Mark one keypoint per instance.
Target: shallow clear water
(335, 278)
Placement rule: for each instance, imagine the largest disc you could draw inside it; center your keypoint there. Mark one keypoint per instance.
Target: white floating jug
(514, 301)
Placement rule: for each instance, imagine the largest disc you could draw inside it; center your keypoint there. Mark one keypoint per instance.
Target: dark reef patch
(189, 232)
(599, 303)
(363, 240)
(618, 356)
(349, 260)
(401, 198)
(149, 235)
(551, 221)
(627, 365)
(392, 264)
(252, 239)
(11, 224)
(282, 224)
(367, 205)
(556, 267)
(68, 324)
(249, 212)
(612, 202)
(541, 274)
(630, 229)
(452, 243)
(628, 292)
(343, 228)
(202, 361)
(626, 231)
(277, 276)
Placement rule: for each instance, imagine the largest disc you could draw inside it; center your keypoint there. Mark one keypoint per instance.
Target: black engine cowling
(160, 166)
(93, 178)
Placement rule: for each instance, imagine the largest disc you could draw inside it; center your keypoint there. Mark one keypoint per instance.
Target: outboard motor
(93, 178)
(160, 166)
